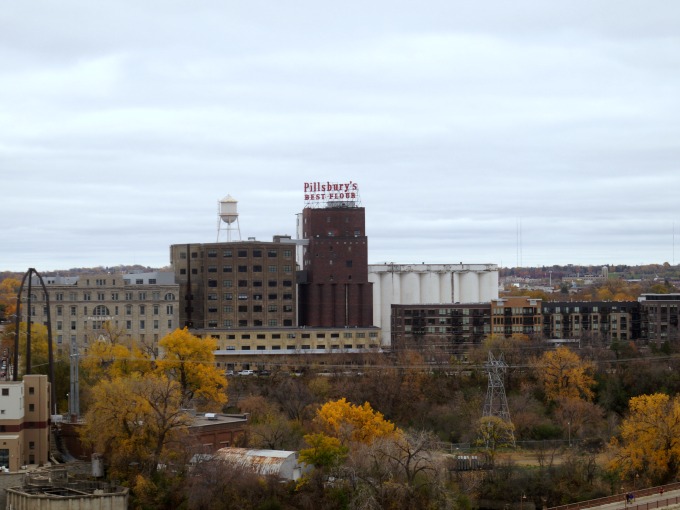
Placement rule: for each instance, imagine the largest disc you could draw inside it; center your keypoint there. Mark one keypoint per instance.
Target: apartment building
(450, 328)
(597, 320)
(236, 285)
(24, 422)
(142, 306)
(659, 317)
(516, 315)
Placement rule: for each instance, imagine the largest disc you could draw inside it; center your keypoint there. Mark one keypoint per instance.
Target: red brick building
(334, 290)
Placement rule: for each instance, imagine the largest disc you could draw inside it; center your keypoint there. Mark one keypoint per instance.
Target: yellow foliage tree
(190, 361)
(649, 443)
(109, 360)
(8, 295)
(493, 433)
(353, 423)
(136, 422)
(563, 374)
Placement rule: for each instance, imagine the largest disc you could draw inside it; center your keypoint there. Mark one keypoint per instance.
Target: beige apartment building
(24, 422)
(141, 306)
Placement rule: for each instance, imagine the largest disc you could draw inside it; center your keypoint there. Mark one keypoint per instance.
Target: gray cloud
(122, 124)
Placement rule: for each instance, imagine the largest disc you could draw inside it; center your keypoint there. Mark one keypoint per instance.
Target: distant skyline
(123, 124)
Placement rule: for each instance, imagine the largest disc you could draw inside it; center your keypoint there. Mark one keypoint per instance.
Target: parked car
(246, 372)
(228, 372)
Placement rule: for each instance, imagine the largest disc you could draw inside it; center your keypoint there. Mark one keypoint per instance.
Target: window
(287, 269)
(243, 308)
(212, 297)
(31, 390)
(287, 297)
(212, 283)
(169, 310)
(227, 283)
(272, 308)
(257, 308)
(287, 253)
(242, 296)
(228, 296)
(156, 309)
(87, 296)
(59, 296)
(212, 269)
(142, 296)
(273, 322)
(257, 269)
(73, 311)
(31, 408)
(242, 269)
(142, 324)
(257, 253)
(142, 309)
(272, 296)
(227, 269)
(243, 283)
(272, 269)
(271, 253)
(100, 311)
(227, 253)
(287, 283)
(212, 253)
(257, 283)
(242, 253)
(272, 283)
(5, 392)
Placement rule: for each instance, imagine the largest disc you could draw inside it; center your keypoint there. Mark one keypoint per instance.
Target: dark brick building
(334, 290)
(241, 284)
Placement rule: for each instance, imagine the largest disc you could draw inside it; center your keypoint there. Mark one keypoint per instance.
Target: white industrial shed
(281, 463)
(416, 284)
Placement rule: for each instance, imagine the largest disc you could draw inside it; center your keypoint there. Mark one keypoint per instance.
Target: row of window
(276, 336)
(250, 283)
(103, 311)
(254, 269)
(96, 325)
(241, 252)
(255, 309)
(242, 296)
(245, 323)
(295, 347)
(114, 296)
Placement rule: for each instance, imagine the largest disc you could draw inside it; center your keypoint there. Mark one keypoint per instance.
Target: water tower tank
(228, 211)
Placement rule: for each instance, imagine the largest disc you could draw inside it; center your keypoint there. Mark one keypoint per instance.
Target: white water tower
(227, 218)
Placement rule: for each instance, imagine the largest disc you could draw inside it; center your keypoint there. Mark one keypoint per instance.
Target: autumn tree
(649, 440)
(9, 287)
(563, 374)
(137, 422)
(353, 423)
(190, 361)
(493, 433)
(400, 473)
(268, 427)
(106, 359)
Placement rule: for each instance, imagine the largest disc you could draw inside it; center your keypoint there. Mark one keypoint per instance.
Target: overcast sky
(123, 123)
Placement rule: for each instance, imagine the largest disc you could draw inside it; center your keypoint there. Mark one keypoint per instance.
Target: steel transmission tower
(496, 403)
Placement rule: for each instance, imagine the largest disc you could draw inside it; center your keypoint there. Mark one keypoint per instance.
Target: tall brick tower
(334, 290)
